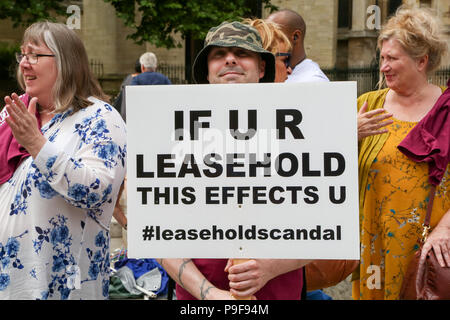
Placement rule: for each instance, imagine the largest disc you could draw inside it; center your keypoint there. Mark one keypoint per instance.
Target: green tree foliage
(157, 21)
(25, 12)
(8, 65)
(7, 60)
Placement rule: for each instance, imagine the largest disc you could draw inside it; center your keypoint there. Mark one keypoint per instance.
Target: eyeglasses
(32, 58)
(287, 61)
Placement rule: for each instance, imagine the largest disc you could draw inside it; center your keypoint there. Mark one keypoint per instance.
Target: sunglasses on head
(287, 61)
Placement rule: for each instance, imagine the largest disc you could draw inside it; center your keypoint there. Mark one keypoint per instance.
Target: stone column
(127, 51)
(98, 29)
(362, 40)
(443, 9)
(172, 56)
(10, 35)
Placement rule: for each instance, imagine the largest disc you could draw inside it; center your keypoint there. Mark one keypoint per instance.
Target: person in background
(293, 25)
(62, 161)
(120, 101)
(149, 76)
(394, 189)
(275, 41)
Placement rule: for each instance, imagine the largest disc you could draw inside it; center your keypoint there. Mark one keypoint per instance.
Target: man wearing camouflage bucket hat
(233, 36)
(233, 53)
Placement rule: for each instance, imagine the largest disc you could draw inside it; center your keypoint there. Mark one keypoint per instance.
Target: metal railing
(441, 76)
(176, 73)
(96, 68)
(366, 78)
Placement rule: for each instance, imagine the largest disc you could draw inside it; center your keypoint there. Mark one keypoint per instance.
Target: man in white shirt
(303, 70)
(293, 25)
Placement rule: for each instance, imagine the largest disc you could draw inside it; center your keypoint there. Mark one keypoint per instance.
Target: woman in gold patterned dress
(394, 189)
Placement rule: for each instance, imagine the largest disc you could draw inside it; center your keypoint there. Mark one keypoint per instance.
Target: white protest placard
(243, 171)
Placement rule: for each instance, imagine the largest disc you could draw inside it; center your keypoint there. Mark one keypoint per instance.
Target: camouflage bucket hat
(233, 34)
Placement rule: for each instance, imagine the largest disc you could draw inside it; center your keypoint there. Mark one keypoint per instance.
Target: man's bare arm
(187, 275)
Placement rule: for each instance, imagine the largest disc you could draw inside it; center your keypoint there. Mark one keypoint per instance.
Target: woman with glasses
(62, 161)
(275, 41)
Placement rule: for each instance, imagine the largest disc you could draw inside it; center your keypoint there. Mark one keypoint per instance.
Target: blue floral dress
(56, 209)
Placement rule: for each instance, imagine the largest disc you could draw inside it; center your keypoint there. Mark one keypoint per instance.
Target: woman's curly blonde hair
(271, 34)
(419, 32)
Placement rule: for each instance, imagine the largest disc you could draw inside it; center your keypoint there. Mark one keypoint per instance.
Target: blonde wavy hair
(75, 82)
(419, 32)
(271, 34)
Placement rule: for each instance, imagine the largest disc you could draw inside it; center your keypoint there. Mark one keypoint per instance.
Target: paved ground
(342, 291)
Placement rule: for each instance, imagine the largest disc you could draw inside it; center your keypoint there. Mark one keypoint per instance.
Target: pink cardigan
(11, 152)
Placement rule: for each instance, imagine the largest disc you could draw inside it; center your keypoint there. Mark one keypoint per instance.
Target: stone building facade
(105, 38)
(343, 33)
(340, 33)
